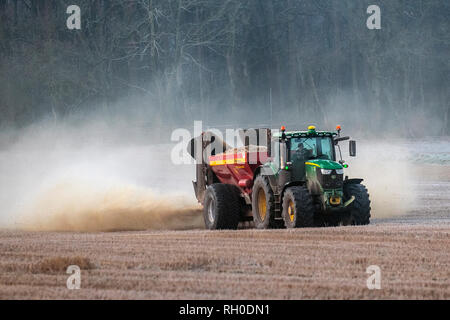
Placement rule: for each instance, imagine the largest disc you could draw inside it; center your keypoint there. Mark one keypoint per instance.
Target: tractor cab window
(312, 148)
(326, 149)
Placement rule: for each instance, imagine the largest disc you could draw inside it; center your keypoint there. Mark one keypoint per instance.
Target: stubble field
(408, 238)
(412, 252)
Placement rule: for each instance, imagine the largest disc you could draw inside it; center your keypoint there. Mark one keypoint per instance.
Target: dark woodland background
(228, 62)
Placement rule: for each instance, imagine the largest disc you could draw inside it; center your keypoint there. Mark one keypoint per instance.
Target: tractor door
(298, 157)
(272, 168)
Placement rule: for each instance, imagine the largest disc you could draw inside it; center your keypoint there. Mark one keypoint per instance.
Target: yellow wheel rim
(262, 207)
(291, 210)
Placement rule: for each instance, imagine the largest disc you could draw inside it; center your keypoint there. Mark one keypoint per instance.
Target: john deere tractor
(296, 181)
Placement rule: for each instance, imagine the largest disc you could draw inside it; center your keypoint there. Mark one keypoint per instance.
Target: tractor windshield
(312, 148)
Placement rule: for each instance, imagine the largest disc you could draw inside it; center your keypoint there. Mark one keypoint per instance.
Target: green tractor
(296, 181)
(304, 185)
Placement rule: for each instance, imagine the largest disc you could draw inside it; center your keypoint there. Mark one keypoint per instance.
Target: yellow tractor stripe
(227, 161)
(312, 164)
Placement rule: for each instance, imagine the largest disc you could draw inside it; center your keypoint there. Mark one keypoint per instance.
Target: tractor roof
(304, 134)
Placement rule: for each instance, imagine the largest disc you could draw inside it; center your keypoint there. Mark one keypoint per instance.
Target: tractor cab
(310, 159)
(294, 151)
(303, 150)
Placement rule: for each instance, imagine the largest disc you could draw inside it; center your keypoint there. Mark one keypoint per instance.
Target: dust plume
(90, 178)
(86, 205)
(387, 174)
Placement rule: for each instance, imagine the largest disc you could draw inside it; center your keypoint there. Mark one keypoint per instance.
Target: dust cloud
(387, 174)
(87, 205)
(90, 178)
(66, 178)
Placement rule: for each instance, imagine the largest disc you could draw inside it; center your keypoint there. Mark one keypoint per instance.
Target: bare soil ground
(413, 252)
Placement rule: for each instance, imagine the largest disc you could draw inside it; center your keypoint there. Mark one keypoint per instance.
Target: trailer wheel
(298, 208)
(263, 204)
(359, 213)
(221, 207)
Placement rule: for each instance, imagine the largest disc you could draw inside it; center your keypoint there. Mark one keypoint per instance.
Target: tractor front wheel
(298, 208)
(359, 211)
(221, 207)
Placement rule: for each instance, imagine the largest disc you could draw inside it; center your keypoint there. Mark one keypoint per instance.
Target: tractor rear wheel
(263, 204)
(221, 207)
(359, 212)
(298, 208)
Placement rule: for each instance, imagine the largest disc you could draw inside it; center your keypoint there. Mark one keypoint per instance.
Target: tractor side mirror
(352, 148)
(337, 140)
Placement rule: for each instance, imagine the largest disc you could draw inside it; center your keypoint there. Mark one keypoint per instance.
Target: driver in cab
(302, 153)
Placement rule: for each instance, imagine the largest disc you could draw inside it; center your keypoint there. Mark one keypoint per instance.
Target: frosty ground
(411, 249)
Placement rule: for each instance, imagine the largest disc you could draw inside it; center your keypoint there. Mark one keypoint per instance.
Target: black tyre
(298, 208)
(221, 207)
(263, 204)
(359, 210)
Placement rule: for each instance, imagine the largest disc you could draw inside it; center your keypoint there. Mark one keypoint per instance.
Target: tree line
(230, 62)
